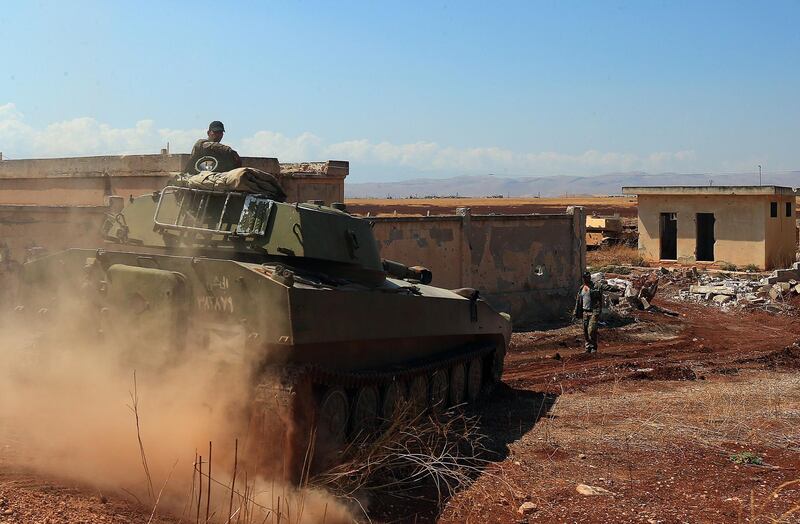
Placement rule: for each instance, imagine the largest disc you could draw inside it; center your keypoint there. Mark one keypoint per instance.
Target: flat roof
(709, 190)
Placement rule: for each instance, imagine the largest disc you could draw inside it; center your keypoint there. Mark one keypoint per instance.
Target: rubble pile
(774, 293)
(627, 295)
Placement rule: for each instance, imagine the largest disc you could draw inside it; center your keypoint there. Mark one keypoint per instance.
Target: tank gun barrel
(421, 274)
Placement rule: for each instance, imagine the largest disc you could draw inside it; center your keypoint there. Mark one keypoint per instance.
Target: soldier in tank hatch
(216, 166)
(227, 158)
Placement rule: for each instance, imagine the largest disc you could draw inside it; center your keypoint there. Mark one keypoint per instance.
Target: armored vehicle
(340, 338)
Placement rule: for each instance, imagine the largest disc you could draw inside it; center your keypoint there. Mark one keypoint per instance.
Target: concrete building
(740, 225)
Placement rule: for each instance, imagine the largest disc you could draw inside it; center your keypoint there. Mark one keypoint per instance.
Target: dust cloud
(67, 399)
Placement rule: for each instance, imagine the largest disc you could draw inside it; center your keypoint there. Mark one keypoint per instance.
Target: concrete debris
(637, 293)
(784, 275)
(584, 489)
(527, 508)
(740, 291)
(713, 290)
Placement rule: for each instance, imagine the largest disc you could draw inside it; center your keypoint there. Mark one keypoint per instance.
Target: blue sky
(409, 89)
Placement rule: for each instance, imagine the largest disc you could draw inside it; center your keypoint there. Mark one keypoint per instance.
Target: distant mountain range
(553, 186)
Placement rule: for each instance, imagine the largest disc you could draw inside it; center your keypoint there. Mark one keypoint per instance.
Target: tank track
(356, 379)
(287, 402)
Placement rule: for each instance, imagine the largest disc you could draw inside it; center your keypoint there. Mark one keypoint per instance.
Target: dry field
(669, 420)
(625, 206)
(602, 205)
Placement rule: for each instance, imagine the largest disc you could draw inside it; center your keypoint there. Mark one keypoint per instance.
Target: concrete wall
(88, 180)
(744, 232)
(527, 265)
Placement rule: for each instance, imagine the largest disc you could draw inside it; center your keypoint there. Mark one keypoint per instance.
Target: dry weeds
(616, 255)
(414, 457)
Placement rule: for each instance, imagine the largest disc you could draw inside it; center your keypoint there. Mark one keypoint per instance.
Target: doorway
(668, 234)
(705, 237)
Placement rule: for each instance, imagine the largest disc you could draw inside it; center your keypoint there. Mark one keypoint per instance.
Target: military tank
(342, 338)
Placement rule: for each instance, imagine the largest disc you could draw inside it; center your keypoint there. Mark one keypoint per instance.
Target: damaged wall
(527, 265)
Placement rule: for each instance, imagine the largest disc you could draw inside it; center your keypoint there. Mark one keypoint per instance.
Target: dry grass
(754, 411)
(627, 202)
(763, 412)
(617, 255)
(422, 458)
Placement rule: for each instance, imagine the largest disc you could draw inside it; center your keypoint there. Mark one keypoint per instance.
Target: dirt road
(656, 419)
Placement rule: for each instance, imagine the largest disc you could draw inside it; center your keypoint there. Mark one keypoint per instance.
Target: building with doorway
(738, 225)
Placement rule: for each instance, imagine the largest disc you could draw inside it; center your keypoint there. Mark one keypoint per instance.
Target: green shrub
(746, 457)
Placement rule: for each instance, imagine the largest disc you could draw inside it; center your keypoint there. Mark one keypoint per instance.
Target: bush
(746, 457)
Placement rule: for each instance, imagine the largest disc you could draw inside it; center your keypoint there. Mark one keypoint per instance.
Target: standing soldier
(588, 306)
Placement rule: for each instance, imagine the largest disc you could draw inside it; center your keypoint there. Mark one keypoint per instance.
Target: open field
(625, 206)
(654, 419)
(602, 205)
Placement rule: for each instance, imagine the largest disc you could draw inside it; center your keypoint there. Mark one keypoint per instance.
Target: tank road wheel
(365, 410)
(418, 395)
(439, 389)
(392, 402)
(334, 411)
(457, 384)
(474, 379)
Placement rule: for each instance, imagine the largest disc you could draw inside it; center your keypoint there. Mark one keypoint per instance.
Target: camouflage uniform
(588, 306)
